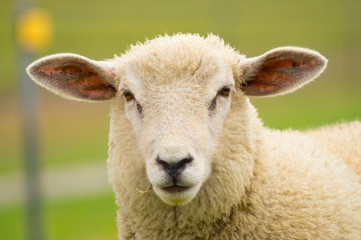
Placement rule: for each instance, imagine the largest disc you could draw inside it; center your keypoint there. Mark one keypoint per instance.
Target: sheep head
(175, 93)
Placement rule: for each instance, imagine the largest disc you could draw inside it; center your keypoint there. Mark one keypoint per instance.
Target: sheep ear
(75, 77)
(281, 71)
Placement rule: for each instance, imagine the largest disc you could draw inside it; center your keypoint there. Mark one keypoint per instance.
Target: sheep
(189, 157)
(343, 140)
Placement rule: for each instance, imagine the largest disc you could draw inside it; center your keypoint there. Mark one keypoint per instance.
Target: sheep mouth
(175, 188)
(176, 194)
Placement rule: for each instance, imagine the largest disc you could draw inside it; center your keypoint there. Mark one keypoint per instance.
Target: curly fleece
(265, 184)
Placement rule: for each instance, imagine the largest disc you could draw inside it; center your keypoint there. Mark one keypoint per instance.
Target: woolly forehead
(179, 60)
(202, 75)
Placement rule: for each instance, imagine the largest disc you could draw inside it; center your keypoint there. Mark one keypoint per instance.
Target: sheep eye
(224, 92)
(128, 96)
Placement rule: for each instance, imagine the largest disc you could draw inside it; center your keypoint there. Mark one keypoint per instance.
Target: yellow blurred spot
(34, 30)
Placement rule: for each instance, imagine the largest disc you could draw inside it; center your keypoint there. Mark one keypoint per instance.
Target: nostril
(174, 168)
(183, 162)
(163, 163)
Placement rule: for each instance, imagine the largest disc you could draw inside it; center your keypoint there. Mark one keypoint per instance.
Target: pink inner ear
(278, 74)
(76, 79)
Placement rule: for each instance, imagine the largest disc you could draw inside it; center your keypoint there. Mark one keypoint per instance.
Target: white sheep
(184, 134)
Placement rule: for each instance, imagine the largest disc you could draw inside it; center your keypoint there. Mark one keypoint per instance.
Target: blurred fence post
(29, 113)
(33, 30)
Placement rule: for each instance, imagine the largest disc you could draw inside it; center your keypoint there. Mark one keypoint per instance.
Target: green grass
(85, 218)
(70, 133)
(307, 109)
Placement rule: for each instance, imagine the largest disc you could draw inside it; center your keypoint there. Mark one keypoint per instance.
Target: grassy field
(73, 133)
(85, 218)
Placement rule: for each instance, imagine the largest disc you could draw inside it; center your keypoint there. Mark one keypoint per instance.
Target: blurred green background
(78, 202)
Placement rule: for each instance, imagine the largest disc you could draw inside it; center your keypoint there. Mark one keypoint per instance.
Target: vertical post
(28, 108)
(33, 32)
(29, 113)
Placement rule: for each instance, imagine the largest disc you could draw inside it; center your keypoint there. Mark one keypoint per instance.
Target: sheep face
(176, 117)
(171, 97)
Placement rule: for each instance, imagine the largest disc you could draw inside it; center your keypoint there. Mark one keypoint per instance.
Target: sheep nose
(174, 168)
